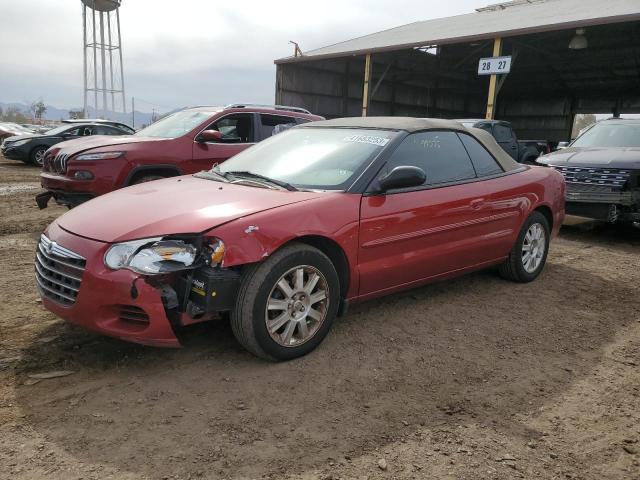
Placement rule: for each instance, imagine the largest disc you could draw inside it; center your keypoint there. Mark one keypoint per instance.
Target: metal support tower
(103, 74)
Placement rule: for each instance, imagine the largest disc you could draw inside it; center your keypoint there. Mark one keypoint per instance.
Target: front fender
(255, 237)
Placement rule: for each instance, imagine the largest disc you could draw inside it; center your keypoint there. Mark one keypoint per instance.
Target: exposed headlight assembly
(157, 256)
(19, 143)
(99, 156)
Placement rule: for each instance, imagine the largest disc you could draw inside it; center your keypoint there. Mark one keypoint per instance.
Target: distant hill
(56, 114)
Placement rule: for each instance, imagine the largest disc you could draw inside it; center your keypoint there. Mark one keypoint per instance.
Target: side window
(485, 126)
(483, 162)
(440, 154)
(73, 132)
(502, 133)
(105, 130)
(273, 124)
(86, 131)
(235, 128)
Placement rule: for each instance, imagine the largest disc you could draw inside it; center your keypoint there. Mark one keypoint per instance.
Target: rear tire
(529, 254)
(286, 304)
(36, 156)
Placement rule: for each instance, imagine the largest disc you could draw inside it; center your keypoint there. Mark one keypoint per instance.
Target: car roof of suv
(253, 107)
(620, 120)
(410, 124)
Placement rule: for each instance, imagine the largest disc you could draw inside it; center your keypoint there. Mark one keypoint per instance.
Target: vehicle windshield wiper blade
(212, 175)
(279, 183)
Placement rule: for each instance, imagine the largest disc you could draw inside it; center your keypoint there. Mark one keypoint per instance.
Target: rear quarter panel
(538, 187)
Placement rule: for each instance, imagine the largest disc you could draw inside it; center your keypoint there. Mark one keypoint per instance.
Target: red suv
(184, 142)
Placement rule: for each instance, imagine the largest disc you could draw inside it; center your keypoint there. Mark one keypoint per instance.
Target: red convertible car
(284, 235)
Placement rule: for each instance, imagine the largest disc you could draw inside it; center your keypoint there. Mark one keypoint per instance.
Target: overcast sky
(187, 52)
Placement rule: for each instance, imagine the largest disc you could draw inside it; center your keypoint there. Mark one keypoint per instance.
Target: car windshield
(57, 131)
(312, 158)
(21, 128)
(176, 124)
(610, 135)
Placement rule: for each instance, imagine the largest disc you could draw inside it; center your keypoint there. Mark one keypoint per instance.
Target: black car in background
(525, 151)
(30, 148)
(601, 169)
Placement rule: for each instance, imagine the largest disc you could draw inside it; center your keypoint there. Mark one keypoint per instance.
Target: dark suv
(184, 142)
(602, 171)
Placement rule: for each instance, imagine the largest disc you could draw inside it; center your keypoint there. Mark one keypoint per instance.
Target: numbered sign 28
(494, 66)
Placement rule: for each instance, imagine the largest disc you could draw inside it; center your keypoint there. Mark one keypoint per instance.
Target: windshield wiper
(212, 175)
(273, 181)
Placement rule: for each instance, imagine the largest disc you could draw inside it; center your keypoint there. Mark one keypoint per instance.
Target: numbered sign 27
(494, 66)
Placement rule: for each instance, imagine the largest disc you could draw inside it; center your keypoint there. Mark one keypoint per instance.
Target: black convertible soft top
(410, 124)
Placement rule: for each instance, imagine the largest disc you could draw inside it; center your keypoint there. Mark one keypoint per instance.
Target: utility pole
(133, 113)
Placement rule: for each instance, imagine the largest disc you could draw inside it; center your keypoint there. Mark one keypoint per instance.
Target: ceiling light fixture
(579, 41)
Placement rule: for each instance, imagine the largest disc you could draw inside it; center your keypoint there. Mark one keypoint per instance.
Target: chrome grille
(589, 188)
(60, 163)
(56, 163)
(602, 179)
(58, 272)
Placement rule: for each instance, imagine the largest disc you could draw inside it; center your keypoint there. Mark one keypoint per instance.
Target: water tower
(103, 73)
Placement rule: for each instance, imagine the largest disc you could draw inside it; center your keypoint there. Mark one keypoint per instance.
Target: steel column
(104, 67)
(84, 54)
(95, 65)
(368, 67)
(124, 103)
(113, 102)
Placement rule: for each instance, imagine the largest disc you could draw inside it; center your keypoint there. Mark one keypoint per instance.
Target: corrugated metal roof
(508, 19)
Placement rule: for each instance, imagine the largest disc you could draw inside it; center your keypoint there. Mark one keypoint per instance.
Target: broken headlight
(151, 256)
(156, 256)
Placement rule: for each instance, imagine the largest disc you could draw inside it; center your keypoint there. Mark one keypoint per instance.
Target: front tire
(286, 304)
(529, 254)
(36, 156)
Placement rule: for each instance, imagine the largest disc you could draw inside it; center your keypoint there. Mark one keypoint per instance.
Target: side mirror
(562, 145)
(209, 136)
(402, 177)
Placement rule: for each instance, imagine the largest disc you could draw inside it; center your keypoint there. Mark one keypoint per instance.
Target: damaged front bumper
(124, 304)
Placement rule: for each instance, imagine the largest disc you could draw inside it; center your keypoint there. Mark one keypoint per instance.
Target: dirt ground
(475, 378)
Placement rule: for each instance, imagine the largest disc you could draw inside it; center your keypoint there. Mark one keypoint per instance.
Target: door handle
(476, 204)
(513, 147)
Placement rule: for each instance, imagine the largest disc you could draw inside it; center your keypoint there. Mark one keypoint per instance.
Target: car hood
(77, 145)
(594, 157)
(172, 206)
(24, 136)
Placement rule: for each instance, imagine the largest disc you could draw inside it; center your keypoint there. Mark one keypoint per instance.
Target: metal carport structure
(430, 68)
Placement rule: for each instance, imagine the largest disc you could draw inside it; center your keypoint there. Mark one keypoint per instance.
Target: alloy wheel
(533, 247)
(297, 306)
(39, 156)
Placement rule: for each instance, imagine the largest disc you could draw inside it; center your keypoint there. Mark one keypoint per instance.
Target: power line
(155, 104)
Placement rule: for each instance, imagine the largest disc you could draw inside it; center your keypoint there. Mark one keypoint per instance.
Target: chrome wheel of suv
(297, 306)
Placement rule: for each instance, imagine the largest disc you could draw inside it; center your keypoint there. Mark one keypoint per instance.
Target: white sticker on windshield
(373, 140)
